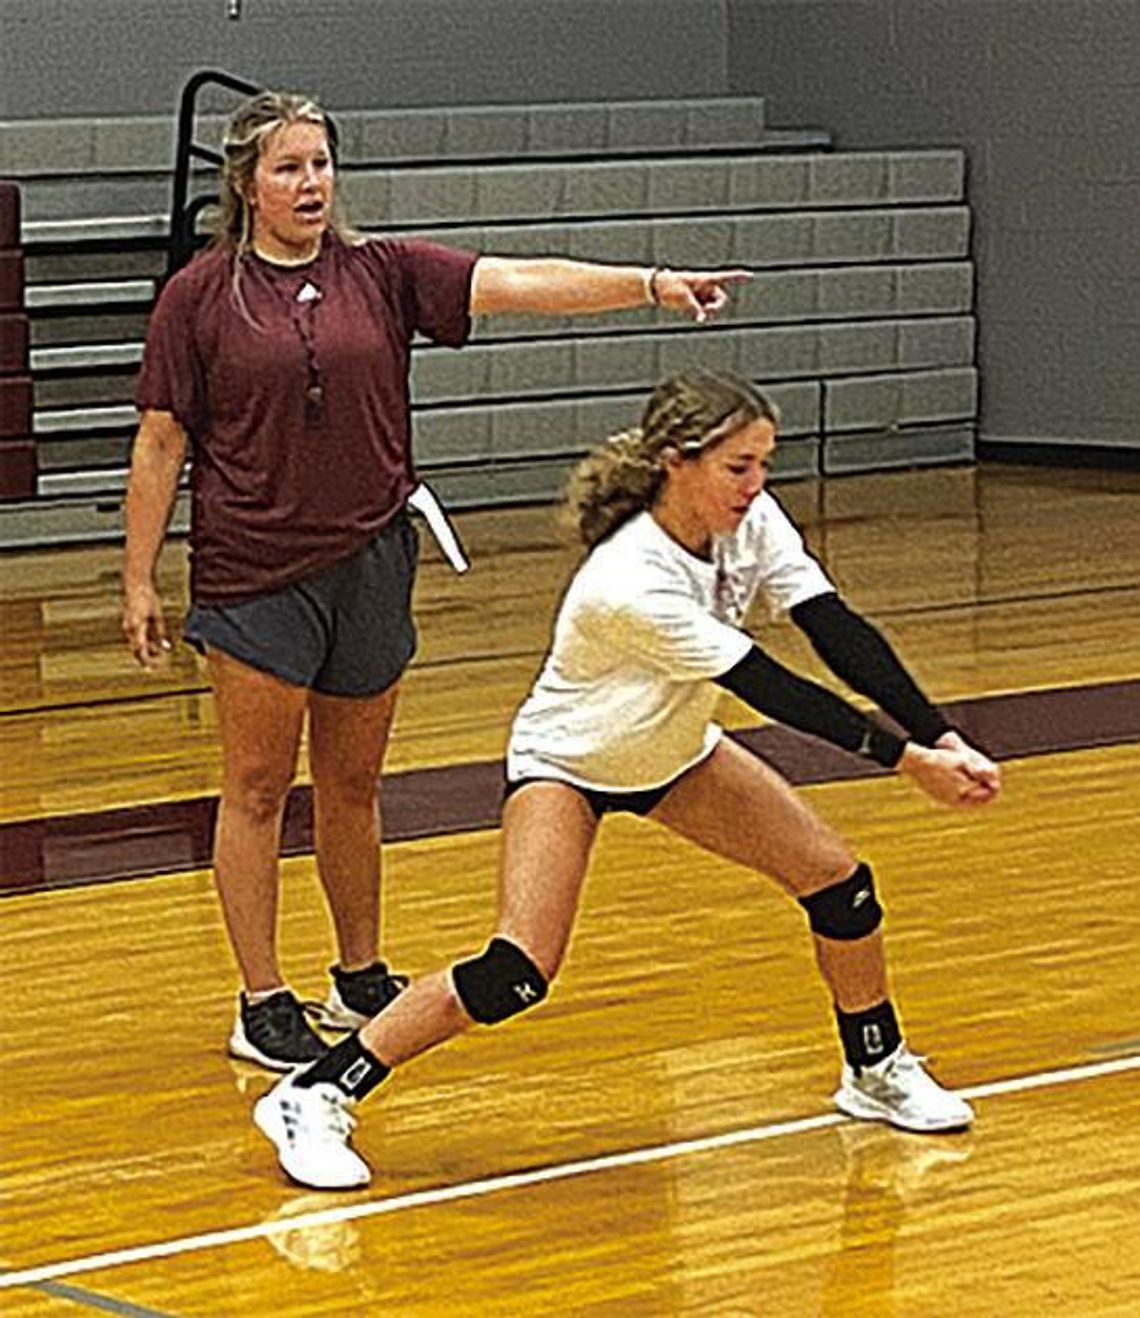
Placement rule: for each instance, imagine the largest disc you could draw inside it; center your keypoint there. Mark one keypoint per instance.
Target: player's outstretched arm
(855, 650)
(955, 774)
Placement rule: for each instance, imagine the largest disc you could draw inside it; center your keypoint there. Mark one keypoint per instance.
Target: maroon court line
(61, 851)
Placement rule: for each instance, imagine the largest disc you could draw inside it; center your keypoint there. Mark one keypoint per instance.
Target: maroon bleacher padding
(13, 344)
(17, 469)
(15, 406)
(18, 461)
(11, 280)
(9, 215)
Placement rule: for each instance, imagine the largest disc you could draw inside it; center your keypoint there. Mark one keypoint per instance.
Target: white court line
(519, 1180)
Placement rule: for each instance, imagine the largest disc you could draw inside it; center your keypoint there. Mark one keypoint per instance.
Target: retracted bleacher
(859, 320)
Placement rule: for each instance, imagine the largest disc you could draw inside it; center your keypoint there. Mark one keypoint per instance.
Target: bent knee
(830, 862)
(499, 983)
(845, 910)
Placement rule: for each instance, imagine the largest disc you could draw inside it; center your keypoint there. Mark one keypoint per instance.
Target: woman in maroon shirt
(279, 361)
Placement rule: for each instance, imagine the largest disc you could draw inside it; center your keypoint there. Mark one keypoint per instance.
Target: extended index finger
(723, 278)
(705, 278)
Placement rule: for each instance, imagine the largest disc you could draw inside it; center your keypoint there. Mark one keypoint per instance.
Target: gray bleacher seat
(141, 144)
(859, 319)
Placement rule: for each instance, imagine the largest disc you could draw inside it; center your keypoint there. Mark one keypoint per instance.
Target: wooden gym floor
(658, 1139)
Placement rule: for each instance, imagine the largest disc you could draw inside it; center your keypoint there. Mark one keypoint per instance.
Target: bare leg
(548, 832)
(347, 740)
(260, 719)
(735, 806)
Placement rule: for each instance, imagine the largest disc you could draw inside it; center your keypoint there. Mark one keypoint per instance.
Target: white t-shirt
(624, 700)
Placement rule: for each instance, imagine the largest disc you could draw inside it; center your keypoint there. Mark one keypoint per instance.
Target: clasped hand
(952, 771)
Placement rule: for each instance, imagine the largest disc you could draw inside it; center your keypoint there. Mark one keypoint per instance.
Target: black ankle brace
(868, 1036)
(349, 1066)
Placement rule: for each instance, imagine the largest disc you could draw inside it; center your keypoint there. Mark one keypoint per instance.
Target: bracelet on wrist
(652, 293)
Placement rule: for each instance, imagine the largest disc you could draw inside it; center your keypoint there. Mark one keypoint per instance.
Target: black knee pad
(847, 910)
(499, 984)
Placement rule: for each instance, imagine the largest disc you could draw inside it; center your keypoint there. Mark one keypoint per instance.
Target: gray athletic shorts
(345, 631)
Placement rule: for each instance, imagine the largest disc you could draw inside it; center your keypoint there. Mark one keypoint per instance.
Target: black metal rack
(184, 211)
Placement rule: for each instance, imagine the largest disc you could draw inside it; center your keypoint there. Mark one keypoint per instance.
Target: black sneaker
(358, 995)
(274, 1033)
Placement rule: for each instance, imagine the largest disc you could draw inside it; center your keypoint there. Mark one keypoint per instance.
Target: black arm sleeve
(858, 653)
(772, 689)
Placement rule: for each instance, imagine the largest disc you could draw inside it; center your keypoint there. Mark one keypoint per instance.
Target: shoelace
(908, 1061)
(278, 1016)
(382, 982)
(381, 972)
(317, 1010)
(905, 1072)
(336, 1116)
(903, 1064)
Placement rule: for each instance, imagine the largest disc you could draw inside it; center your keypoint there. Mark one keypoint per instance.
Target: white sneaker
(311, 1129)
(899, 1091)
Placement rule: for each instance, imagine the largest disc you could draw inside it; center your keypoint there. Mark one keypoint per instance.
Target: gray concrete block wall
(833, 178)
(612, 363)
(55, 53)
(925, 176)
(858, 347)
(453, 435)
(827, 336)
(882, 450)
(868, 369)
(683, 352)
(620, 242)
(545, 190)
(756, 184)
(630, 361)
(38, 148)
(682, 187)
(773, 296)
(927, 342)
(407, 196)
(510, 432)
(1041, 97)
(936, 287)
(890, 401)
(858, 291)
(552, 130)
(544, 480)
(805, 238)
(531, 368)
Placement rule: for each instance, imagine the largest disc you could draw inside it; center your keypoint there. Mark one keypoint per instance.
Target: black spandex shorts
(602, 802)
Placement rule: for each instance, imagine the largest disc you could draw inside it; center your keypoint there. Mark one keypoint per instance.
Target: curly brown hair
(688, 412)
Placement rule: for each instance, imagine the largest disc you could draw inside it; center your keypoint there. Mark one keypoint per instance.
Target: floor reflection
(888, 1173)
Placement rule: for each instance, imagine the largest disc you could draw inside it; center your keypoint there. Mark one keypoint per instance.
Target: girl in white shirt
(683, 538)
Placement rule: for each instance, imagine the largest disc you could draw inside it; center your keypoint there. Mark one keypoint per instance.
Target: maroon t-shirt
(281, 487)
